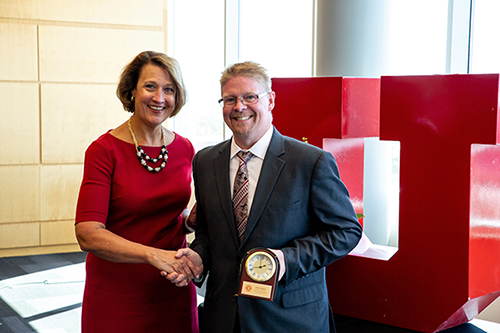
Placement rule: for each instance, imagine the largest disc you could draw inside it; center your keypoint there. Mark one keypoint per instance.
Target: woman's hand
(93, 237)
(169, 262)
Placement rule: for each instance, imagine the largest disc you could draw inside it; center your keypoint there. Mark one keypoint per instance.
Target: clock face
(260, 266)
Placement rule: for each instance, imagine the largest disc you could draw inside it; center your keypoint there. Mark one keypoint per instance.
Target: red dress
(146, 208)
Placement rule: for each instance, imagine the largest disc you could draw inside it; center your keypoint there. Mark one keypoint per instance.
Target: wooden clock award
(259, 273)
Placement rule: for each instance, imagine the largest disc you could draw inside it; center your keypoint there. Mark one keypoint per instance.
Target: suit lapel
(271, 169)
(221, 174)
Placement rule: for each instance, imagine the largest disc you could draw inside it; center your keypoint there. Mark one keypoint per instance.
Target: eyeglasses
(230, 101)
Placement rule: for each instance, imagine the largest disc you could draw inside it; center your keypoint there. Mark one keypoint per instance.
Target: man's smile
(242, 118)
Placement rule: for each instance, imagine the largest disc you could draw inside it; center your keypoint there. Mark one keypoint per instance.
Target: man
(297, 207)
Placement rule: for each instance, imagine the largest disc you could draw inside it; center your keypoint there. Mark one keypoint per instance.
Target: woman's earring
(132, 98)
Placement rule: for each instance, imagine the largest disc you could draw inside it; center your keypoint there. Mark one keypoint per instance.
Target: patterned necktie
(240, 193)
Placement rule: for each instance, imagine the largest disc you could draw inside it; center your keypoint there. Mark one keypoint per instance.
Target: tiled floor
(44, 294)
(41, 293)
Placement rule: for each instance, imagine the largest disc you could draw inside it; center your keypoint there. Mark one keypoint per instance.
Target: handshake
(187, 265)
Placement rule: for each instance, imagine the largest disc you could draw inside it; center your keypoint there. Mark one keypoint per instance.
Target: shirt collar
(259, 149)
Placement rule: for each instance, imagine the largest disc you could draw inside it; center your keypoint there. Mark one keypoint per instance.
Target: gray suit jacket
(301, 207)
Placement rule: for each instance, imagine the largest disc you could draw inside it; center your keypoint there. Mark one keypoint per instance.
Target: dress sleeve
(94, 196)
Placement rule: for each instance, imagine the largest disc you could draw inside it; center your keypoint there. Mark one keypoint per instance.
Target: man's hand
(192, 260)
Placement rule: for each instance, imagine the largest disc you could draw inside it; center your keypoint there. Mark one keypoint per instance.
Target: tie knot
(245, 155)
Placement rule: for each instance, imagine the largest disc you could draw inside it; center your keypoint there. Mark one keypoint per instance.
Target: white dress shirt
(254, 165)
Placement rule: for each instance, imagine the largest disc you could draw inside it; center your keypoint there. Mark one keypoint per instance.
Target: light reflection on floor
(49, 300)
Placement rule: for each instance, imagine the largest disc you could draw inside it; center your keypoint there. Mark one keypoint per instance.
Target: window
(195, 37)
(278, 34)
(417, 37)
(485, 37)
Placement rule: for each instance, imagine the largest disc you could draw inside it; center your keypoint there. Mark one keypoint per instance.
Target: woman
(131, 214)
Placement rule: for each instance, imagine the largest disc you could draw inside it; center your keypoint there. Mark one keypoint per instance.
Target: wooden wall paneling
(74, 115)
(57, 232)
(18, 54)
(14, 235)
(58, 75)
(20, 125)
(59, 191)
(130, 12)
(73, 54)
(26, 9)
(19, 193)
(35, 250)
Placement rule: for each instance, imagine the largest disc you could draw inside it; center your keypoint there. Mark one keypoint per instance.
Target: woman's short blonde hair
(130, 76)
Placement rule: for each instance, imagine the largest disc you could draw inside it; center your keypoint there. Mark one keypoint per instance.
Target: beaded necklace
(143, 157)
